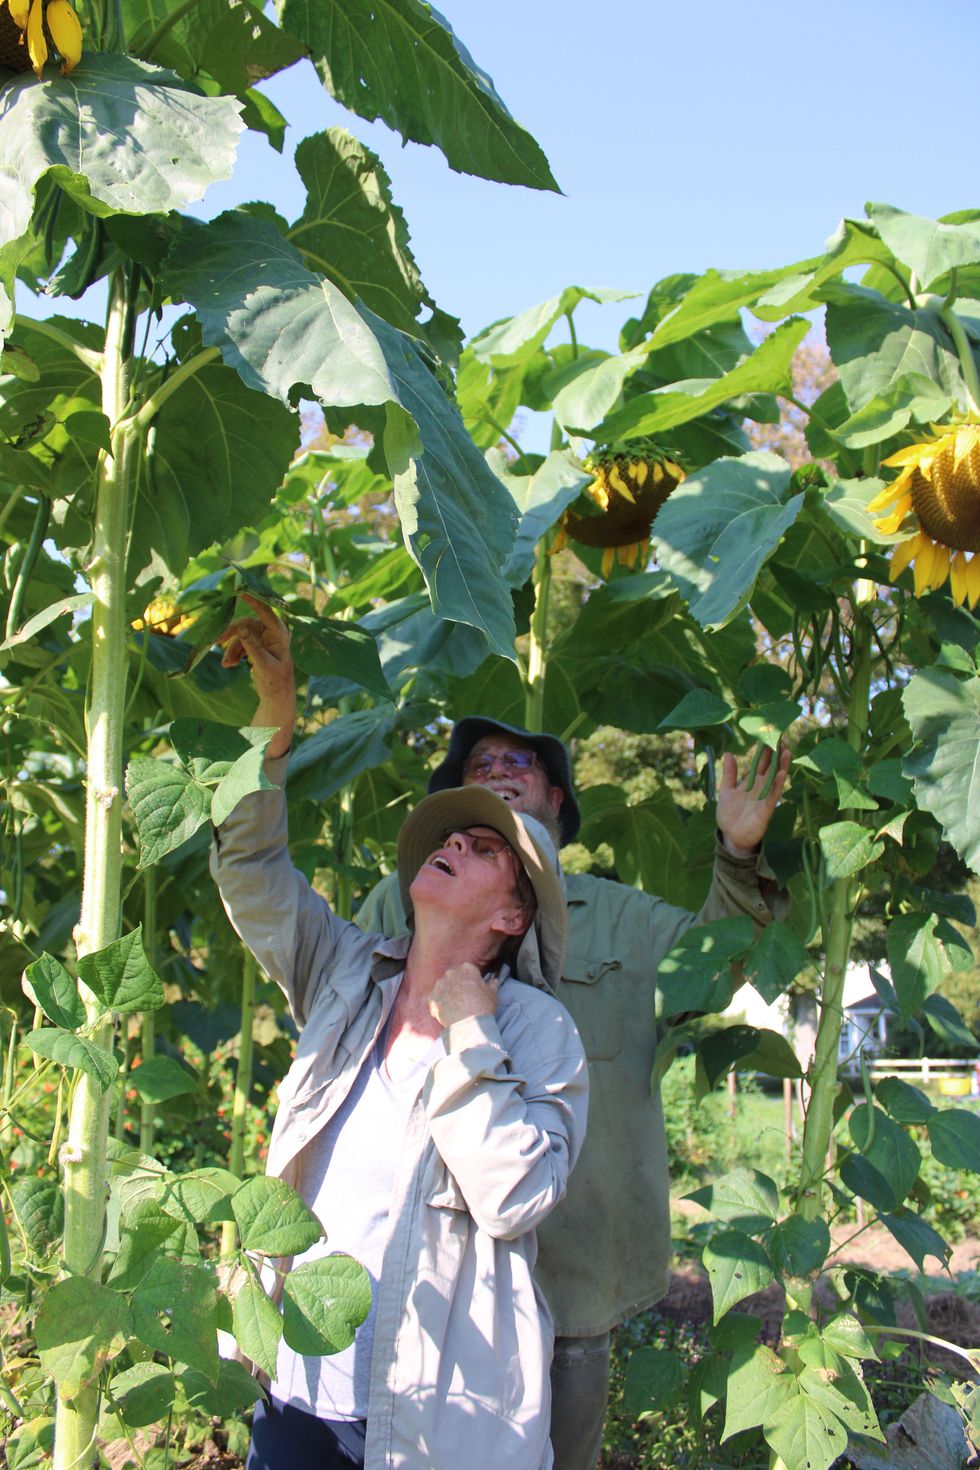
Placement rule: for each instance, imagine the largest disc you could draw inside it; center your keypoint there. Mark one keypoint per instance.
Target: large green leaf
(143, 1238)
(328, 647)
(234, 1390)
(875, 343)
(399, 60)
(161, 1078)
(696, 973)
(40, 1210)
(351, 231)
(122, 137)
(719, 526)
(258, 1326)
(276, 322)
(775, 960)
(803, 1432)
(847, 848)
(175, 1312)
(889, 1149)
(654, 1380)
(759, 1383)
(799, 1246)
(737, 1266)
(927, 247)
(744, 1197)
(594, 392)
(324, 1302)
(517, 338)
(955, 1137)
(214, 457)
(651, 846)
(336, 753)
(541, 501)
(70, 1050)
(121, 975)
(916, 958)
(142, 1394)
(917, 1237)
(50, 986)
(168, 804)
(79, 1327)
(237, 44)
(944, 713)
(767, 370)
(458, 520)
(272, 1218)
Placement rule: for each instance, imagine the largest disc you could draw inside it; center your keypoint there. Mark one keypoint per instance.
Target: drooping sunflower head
(44, 27)
(626, 492)
(940, 484)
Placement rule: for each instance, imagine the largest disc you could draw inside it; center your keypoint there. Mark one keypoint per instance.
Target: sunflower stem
(819, 1125)
(84, 1155)
(243, 1087)
(968, 362)
(537, 654)
(166, 25)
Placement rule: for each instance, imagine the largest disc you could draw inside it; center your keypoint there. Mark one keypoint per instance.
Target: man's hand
(264, 642)
(743, 812)
(460, 992)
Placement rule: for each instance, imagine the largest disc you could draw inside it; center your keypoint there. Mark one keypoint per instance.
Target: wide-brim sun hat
(551, 752)
(422, 834)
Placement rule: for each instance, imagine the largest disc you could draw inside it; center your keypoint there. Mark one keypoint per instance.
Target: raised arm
(264, 642)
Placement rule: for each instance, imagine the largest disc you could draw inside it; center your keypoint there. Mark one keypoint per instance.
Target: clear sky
(683, 136)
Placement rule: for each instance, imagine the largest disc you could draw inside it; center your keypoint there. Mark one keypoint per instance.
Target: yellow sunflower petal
(618, 483)
(940, 566)
(891, 493)
(922, 571)
(640, 471)
(889, 524)
(958, 579)
(973, 581)
(19, 11)
(66, 32)
(559, 540)
(608, 560)
(910, 455)
(903, 554)
(37, 46)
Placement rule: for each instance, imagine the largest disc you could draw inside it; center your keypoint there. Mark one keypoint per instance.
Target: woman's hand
(461, 992)
(264, 642)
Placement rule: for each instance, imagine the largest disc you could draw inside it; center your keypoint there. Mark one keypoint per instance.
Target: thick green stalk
(819, 1126)
(968, 362)
(84, 1154)
(243, 1087)
(148, 1033)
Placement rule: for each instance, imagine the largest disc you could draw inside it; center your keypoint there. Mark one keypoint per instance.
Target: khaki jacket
(605, 1252)
(463, 1337)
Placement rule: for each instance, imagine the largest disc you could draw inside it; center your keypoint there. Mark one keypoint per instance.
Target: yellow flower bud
(66, 32)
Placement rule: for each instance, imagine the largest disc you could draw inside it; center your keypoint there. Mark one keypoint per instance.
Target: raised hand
(462, 991)
(743, 811)
(264, 642)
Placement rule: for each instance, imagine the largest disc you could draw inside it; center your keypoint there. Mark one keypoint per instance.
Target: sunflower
(163, 616)
(940, 483)
(627, 491)
(55, 22)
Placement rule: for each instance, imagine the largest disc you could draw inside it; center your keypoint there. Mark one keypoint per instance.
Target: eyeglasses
(483, 844)
(514, 762)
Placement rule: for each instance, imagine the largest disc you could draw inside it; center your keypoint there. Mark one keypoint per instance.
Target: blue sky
(683, 136)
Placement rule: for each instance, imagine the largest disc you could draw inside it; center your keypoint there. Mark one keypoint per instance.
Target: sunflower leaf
(719, 527)
(944, 713)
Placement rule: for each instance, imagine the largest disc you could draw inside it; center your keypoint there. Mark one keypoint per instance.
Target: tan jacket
(463, 1337)
(605, 1252)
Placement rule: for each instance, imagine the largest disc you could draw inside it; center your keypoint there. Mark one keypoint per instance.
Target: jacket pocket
(592, 989)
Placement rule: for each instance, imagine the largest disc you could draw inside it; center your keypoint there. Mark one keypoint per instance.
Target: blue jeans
(287, 1438)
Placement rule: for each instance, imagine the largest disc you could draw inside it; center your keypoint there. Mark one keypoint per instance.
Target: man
(431, 1116)
(604, 1253)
